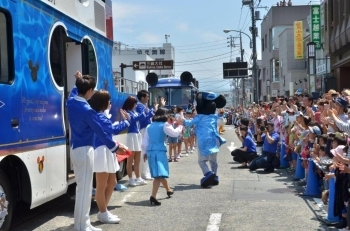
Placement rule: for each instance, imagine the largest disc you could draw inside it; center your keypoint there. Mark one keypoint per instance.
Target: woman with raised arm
(154, 150)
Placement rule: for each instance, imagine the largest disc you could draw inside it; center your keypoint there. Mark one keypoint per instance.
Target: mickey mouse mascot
(206, 129)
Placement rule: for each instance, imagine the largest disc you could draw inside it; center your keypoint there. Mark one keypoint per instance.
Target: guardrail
(129, 86)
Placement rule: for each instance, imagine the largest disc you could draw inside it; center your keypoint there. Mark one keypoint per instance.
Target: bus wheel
(6, 203)
(122, 171)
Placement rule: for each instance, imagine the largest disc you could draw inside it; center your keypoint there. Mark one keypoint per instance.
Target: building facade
(337, 40)
(128, 55)
(279, 69)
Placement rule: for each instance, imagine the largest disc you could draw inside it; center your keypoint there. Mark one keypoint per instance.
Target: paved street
(243, 201)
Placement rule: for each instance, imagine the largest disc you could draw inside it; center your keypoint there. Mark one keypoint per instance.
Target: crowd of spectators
(310, 131)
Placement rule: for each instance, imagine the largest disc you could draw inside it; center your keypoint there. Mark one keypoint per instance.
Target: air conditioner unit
(246, 2)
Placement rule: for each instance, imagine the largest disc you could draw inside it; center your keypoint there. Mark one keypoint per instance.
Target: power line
(204, 58)
(201, 50)
(203, 62)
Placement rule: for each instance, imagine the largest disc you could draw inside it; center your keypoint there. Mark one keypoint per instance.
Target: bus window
(157, 93)
(89, 59)
(180, 96)
(6, 50)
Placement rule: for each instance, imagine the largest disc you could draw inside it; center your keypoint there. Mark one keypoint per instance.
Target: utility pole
(255, 74)
(255, 84)
(243, 80)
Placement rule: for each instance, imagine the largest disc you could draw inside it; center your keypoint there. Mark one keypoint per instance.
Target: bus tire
(122, 171)
(6, 202)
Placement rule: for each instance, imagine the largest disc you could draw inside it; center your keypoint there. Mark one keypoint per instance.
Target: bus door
(10, 91)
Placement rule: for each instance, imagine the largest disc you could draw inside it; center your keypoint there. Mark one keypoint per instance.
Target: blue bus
(175, 91)
(42, 44)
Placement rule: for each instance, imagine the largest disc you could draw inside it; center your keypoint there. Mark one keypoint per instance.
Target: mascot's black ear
(220, 101)
(199, 100)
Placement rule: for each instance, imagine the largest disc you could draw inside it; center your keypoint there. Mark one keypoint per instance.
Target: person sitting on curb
(247, 153)
(268, 158)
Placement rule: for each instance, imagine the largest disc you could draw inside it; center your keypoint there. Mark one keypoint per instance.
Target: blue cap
(316, 130)
(209, 95)
(342, 102)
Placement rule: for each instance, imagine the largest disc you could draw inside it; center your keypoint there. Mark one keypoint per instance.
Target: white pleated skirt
(133, 141)
(105, 160)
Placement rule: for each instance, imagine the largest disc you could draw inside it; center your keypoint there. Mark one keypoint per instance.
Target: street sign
(153, 65)
(235, 70)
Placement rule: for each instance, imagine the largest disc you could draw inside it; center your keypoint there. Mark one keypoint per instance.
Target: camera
(263, 128)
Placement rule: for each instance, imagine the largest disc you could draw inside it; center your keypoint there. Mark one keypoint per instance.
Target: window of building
(264, 74)
(275, 70)
(6, 49)
(266, 41)
(274, 34)
(262, 44)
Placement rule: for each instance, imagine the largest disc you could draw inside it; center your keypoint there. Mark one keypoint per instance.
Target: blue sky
(196, 31)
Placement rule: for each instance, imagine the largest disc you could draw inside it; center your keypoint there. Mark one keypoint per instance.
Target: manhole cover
(282, 190)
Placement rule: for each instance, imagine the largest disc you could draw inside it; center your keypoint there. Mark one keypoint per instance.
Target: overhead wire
(203, 62)
(204, 58)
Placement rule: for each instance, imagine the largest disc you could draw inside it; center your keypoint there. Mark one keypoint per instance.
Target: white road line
(214, 222)
(231, 148)
(127, 196)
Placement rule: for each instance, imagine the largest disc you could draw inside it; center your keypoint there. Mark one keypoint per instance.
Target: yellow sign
(298, 40)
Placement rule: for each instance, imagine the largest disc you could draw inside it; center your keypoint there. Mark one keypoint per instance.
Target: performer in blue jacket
(133, 139)
(207, 134)
(142, 105)
(84, 123)
(105, 162)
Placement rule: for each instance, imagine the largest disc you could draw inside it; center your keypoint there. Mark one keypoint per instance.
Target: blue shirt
(207, 133)
(249, 143)
(145, 122)
(84, 123)
(135, 119)
(267, 147)
(109, 128)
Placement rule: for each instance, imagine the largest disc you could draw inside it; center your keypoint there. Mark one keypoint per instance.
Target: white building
(128, 55)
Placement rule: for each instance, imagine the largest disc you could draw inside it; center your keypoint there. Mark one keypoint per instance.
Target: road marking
(214, 222)
(231, 148)
(126, 197)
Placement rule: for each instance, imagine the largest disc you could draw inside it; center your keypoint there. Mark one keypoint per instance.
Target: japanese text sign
(316, 25)
(298, 40)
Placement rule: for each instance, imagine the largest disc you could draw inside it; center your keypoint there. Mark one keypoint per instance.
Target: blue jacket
(145, 122)
(135, 119)
(267, 147)
(207, 134)
(109, 128)
(84, 123)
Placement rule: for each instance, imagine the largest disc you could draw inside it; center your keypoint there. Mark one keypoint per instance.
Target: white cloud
(147, 37)
(124, 14)
(182, 26)
(210, 36)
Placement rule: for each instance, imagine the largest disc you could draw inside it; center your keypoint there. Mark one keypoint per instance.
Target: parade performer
(142, 105)
(207, 134)
(221, 121)
(154, 150)
(84, 124)
(105, 162)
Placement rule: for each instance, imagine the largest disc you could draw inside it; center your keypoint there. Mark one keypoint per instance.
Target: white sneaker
(140, 181)
(186, 154)
(147, 178)
(132, 182)
(92, 228)
(178, 156)
(106, 218)
(111, 214)
(191, 151)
